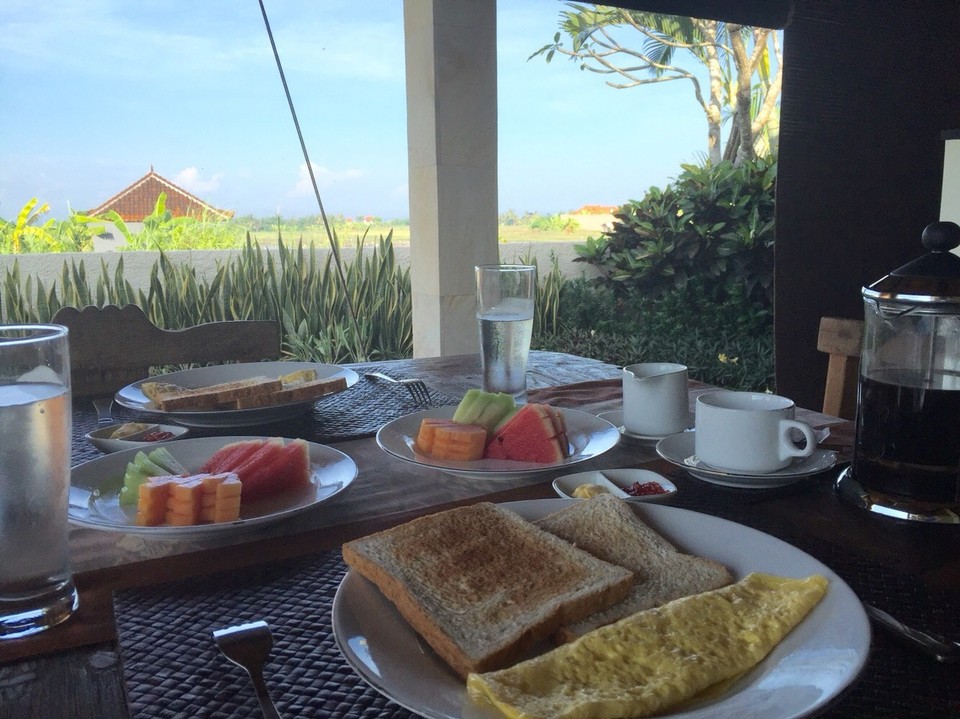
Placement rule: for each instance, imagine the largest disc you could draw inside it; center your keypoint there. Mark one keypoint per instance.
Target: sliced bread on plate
(609, 529)
(482, 585)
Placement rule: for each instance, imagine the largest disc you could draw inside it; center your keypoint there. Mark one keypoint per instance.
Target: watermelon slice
(231, 455)
(278, 471)
(536, 433)
(264, 466)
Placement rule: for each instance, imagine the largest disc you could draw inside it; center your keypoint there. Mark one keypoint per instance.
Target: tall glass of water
(36, 588)
(505, 301)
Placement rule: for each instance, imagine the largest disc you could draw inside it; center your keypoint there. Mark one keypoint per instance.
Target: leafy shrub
(720, 343)
(714, 223)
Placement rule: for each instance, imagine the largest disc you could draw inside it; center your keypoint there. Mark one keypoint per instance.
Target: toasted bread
(300, 391)
(482, 585)
(607, 528)
(215, 395)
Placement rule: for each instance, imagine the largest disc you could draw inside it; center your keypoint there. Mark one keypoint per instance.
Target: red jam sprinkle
(156, 436)
(641, 490)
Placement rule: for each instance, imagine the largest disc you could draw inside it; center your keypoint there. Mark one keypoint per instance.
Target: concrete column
(451, 68)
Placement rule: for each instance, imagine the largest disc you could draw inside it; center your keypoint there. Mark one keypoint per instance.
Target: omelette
(653, 660)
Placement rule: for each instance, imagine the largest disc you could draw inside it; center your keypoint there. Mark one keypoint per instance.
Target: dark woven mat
(357, 412)
(173, 669)
(897, 681)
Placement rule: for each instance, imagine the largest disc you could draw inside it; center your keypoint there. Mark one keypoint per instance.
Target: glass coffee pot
(907, 447)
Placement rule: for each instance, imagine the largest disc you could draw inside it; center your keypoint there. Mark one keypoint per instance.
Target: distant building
(594, 218)
(138, 200)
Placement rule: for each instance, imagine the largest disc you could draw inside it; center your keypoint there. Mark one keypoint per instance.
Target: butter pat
(653, 660)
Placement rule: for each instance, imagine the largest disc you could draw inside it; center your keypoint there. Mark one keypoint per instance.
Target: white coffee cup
(748, 431)
(655, 399)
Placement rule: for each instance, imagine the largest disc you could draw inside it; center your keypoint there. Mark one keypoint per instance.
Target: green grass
(401, 235)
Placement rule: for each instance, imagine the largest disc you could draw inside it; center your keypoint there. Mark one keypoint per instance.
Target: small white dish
(100, 437)
(615, 417)
(616, 481)
(679, 449)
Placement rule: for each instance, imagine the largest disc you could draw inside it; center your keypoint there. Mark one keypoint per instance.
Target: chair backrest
(112, 346)
(841, 339)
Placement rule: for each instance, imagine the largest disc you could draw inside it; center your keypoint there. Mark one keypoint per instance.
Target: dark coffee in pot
(908, 437)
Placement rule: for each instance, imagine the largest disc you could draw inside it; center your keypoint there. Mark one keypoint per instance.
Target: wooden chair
(112, 346)
(841, 339)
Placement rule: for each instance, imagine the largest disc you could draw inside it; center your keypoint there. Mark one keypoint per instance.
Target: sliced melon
(531, 435)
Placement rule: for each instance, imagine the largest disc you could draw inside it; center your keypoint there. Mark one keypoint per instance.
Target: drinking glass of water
(505, 299)
(36, 588)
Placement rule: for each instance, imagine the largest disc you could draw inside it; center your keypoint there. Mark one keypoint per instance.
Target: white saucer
(679, 449)
(615, 417)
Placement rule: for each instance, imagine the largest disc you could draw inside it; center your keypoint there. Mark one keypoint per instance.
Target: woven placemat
(173, 669)
(357, 412)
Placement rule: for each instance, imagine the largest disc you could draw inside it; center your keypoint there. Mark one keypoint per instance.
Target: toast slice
(606, 527)
(171, 397)
(482, 585)
(298, 391)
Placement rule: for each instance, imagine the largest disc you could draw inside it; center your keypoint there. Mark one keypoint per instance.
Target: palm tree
(731, 54)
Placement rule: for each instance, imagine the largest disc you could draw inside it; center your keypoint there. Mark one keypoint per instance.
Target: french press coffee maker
(906, 460)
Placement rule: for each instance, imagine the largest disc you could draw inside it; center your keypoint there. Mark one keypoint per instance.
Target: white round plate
(132, 397)
(620, 478)
(589, 437)
(679, 449)
(94, 488)
(811, 666)
(100, 438)
(615, 417)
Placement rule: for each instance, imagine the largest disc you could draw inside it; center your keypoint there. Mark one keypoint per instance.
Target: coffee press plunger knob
(941, 236)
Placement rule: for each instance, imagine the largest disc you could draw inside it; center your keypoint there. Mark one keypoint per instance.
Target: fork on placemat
(248, 646)
(417, 387)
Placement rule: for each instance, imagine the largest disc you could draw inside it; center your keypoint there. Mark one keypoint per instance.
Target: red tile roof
(139, 200)
(595, 210)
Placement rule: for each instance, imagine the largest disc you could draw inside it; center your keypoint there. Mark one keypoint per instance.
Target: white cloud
(324, 176)
(189, 179)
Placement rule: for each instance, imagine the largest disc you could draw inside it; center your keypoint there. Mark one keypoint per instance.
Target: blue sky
(94, 92)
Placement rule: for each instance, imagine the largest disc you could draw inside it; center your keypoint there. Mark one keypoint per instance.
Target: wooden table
(74, 670)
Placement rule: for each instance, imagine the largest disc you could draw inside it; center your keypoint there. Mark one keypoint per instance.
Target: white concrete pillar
(451, 68)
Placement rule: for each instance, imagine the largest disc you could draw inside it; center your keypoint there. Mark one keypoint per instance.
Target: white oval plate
(100, 438)
(94, 487)
(589, 437)
(619, 478)
(615, 417)
(679, 449)
(132, 397)
(811, 666)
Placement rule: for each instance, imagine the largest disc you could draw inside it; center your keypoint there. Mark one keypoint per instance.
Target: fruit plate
(95, 486)
(813, 664)
(589, 437)
(132, 397)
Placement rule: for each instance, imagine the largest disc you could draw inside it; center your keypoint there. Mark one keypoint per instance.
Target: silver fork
(104, 408)
(248, 646)
(417, 387)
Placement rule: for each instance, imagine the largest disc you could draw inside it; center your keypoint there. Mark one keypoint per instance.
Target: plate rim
(516, 470)
(80, 495)
(838, 591)
(641, 437)
(232, 417)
